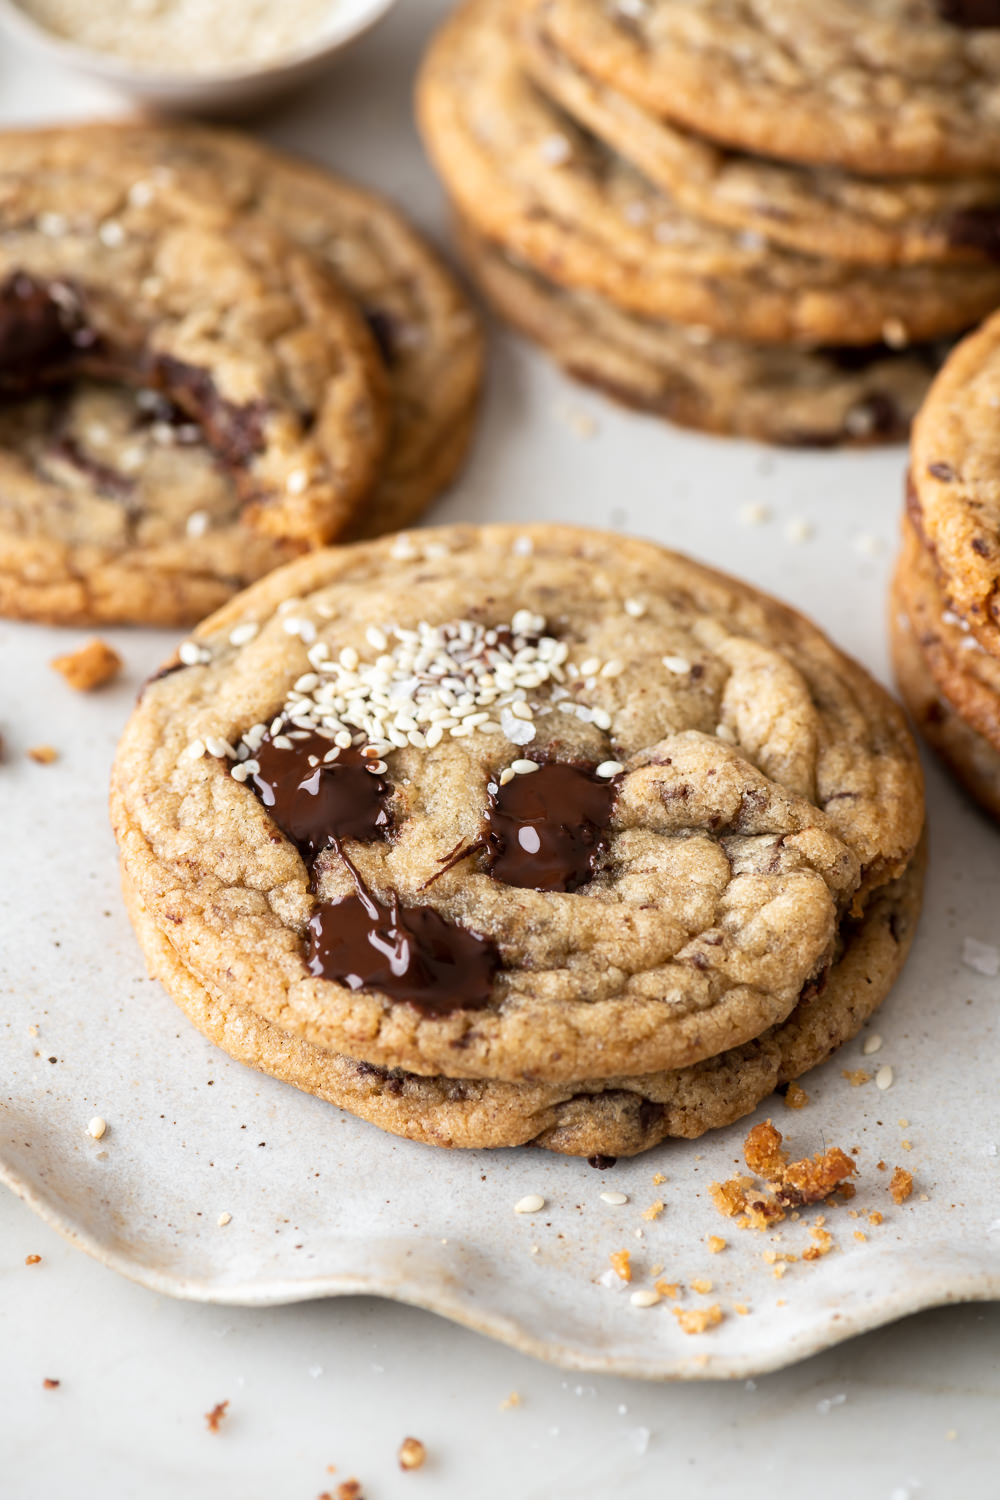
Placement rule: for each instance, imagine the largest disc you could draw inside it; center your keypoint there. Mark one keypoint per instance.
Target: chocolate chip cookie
(123, 498)
(805, 397)
(525, 176)
(876, 86)
(524, 804)
(816, 210)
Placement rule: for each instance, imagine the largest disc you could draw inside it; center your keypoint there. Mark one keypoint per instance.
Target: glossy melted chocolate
(409, 953)
(318, 805)
(546, 830)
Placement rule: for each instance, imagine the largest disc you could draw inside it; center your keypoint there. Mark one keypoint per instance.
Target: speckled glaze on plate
(324, 1205)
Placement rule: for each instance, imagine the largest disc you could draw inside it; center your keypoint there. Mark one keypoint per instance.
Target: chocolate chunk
(546, 829)
(650, 1114)
(941, 471)
(976, 229)
(42, 328)
(970, 14)
(108, 481)
(876, 415)
(235, 432)
(602, 1163)
(384, 331)
(318, 805)
(410, 953)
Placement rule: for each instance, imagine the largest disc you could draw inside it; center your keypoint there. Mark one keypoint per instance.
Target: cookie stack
(945, 619)
(602, 159)
(495, 835)
(212, 358)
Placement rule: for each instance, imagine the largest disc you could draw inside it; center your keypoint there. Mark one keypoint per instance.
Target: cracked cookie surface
(763, 788)
(529, 179)
(99, 520)
(611, 1117)
(815, 210)
(873, 85)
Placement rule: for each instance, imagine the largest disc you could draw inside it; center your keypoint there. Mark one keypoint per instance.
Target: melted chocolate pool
(318, 805)
(546, 830)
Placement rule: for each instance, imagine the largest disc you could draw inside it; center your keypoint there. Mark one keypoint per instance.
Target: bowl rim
(118, 70)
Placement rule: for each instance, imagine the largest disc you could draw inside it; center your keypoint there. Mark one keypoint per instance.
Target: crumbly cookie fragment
(90, 666)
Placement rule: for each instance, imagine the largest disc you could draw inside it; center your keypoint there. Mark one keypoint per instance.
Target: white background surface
(342, 1382)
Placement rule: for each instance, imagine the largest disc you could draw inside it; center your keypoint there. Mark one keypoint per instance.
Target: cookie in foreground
(520, 805)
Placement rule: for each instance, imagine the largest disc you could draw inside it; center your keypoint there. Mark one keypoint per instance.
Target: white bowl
(226, 92)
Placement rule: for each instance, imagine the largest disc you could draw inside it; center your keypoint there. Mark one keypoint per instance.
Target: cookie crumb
(740, 1309)
(795, 1097)
(875, 1217)
(715, 1244)
(621, 1264)
(901, 1185)
(90, 666)
(412, 1453)
(43, 754)
(510, 1401)
(214, 1417)
(698, 1319)
(349, 1489)
(702, 1285)
(856, 1077)
(49, 1384)
(654, 1210)
(32, 1260)
(658, 1179)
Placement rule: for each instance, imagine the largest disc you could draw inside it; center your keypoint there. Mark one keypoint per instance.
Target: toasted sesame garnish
(795, 1097)
(615, 1199)
(97, 1127)
(715, 1244)
(856, 1077)
(412, 1453)
(43, 754)
(901, 1185)
(531, 1203)
(698, 1319)
(214, 1417)
(224, 1219)
(679, 665)
(884, 1077)
(644, 1297)
(654, 1210)
(89, 667)
(621, 1264)
(609, 768)
(872, 1043)
(635, 608)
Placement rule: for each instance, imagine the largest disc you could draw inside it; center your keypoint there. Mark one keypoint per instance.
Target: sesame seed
(377, 767)
(884, 1077)
(507, 775)
(141, 193)
(871, 1044)
(635, 608)
(523, 767)
(243, 634)
(755, 514)
(609, 768)
(52, 225)
(97, 1127)
(376, 638)
(644, 1297)
(723, 732)
(797, 530)
(223, 1220)
(616, 1199)
(555, 150)
(678, 664)
(612, 669)
(110, 233)
(590, 667)
(197, 523)
(192, 654)
(296, 482)
(531, 1203)
(221, 748)
(195, 750)
(523, 546)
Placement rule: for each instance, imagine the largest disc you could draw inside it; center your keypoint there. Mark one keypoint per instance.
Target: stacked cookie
(599, 157)
(495, 835)
(946, 595)
(212, 358)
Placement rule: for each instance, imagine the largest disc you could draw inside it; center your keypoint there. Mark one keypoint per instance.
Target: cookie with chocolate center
(524, 804)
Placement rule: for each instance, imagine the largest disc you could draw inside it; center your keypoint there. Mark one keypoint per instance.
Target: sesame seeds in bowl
(180, 59)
